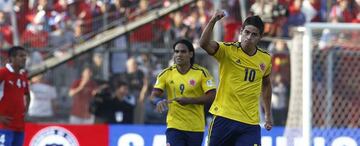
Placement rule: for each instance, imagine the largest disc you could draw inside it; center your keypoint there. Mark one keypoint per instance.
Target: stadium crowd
(52, 27)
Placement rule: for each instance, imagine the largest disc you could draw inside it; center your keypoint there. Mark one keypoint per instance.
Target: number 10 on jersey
(249, 75)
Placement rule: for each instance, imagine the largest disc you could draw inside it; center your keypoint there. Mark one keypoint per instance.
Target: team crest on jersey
(54, 136)
(192, 82)
(262, 66)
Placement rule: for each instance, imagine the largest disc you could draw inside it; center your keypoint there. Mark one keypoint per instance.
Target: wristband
(156, 100)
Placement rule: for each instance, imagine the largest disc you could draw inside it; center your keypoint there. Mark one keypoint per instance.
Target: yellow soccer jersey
(195, 83)
(240, 75)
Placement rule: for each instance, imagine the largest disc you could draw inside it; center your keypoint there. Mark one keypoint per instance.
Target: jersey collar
(239, 46)
(11, 69)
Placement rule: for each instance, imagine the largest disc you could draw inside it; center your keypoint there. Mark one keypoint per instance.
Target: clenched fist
(218, 15)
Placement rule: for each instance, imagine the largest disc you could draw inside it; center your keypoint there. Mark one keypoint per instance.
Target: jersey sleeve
(161, 80)
(220, 53)
(207, 82)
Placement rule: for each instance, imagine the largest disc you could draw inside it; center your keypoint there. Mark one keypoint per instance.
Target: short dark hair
(190, 47)
(255, 21)
(14, 50)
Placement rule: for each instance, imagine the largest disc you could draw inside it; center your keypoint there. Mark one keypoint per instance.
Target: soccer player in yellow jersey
(188, 86)
(244, 73)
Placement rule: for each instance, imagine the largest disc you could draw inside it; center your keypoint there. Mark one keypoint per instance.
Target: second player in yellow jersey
(188, 86)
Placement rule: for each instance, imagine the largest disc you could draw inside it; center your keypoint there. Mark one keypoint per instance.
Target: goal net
(324, 107)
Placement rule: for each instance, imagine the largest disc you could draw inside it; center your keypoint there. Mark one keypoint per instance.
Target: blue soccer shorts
(176, 137)
(227, 132)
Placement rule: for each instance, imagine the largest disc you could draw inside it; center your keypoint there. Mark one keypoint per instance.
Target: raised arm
(266, 94)
(209, 45)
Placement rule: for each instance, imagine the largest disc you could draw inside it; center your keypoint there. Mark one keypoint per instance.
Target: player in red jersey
(14, 88)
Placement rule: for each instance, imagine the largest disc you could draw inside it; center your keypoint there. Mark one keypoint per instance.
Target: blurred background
(83, 54)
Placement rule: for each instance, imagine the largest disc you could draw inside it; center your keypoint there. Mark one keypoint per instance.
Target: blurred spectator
(61, 32)
(97, 67)
(43, 5)
(204, 8)
(22, 12)
(62, 38)
(117, 16)
(35, 36)
(83, 13)
(79, 31)
(114, 107)
(5, 5)
(60, 6)
(279, 101)
(5, 30)
(144, 35)
(311, 9)
(149, 65)
(194, 25)
(178, 29)
(281, 60)
(356, 12)
(43, 100)
(121, 11)
(296, 17)
(138, 85)
(280, 14)
(263, 8)
(3, 44)
(274, 14)
(340, 12)
(281, 80)
(81, 92)
(96, 14)
(35, 58)
(117, 66)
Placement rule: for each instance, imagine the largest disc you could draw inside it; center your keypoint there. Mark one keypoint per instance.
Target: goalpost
(324, 107)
